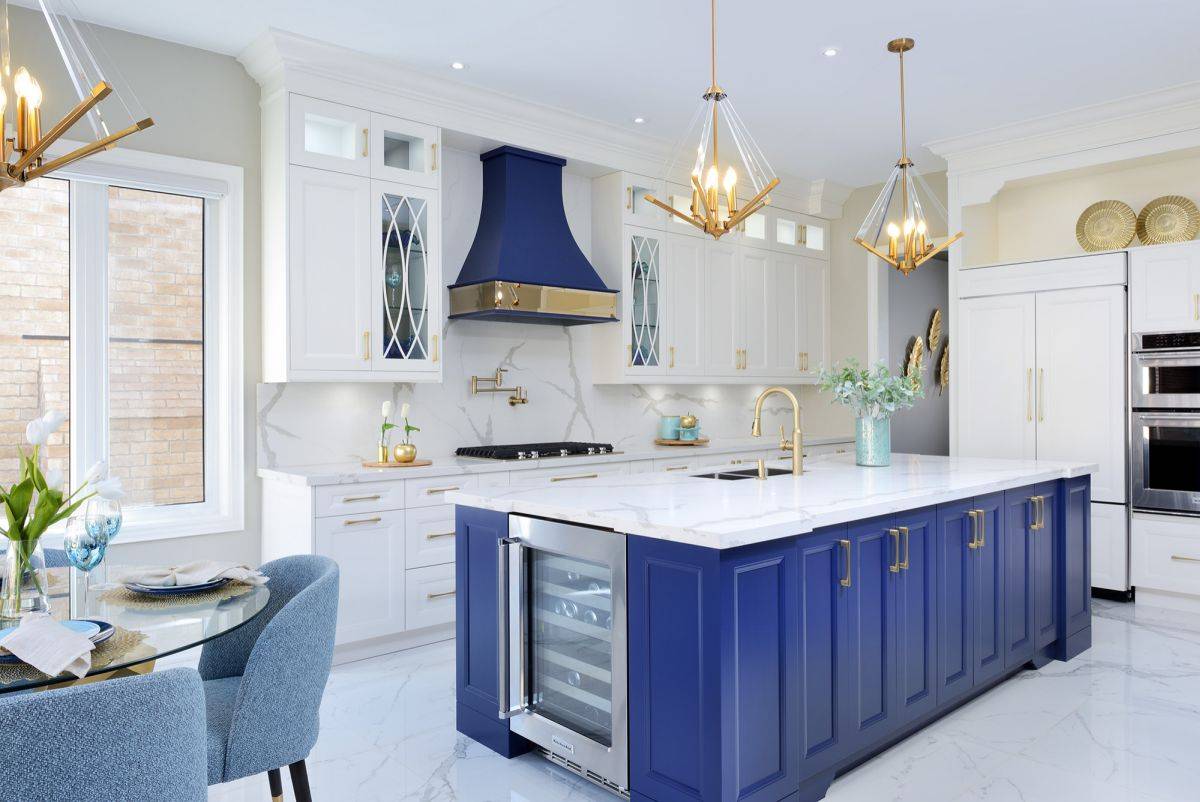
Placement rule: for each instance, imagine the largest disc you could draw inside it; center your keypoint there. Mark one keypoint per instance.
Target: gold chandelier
(897, 229)
(714, 207)
(23, 154)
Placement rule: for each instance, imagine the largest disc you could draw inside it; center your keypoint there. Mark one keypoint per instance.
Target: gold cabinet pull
(577, 476)
(845, 581)
(1033, 513)
(435, 348)
(439, 535)
(366, 346)
(1182, 559)
(1029, 395)
(433, 148)
(433, 491)
(1041, 393)
(904, 562)
(366, 141)
(895, 566)
(629, 198)
(442, 595)
(677, 467)
(982, 529)
(974, 516)
(352, 499)
(672, 350)
(630, 347)
(357, 522)
(1041, 512)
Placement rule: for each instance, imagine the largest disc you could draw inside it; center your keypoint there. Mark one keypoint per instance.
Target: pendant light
(897, 229)
(24, 145)
(714, 203)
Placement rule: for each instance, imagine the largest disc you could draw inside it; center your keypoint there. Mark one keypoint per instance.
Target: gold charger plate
(1105, 226)
(1171, 218)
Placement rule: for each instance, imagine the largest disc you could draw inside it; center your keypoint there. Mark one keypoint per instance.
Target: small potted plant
(873, 394)
(406, 451)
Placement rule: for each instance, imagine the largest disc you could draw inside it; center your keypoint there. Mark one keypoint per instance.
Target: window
(121, 294)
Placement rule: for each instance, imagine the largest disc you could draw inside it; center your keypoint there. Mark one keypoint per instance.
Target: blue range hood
(524, 265)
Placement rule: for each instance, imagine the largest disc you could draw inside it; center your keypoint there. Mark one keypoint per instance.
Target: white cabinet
(329, 136)
(429, 597)
(1166, 553)
(429, 536)
(814, 301)
(405, 151)
(757, 312)
(369, 551)
(686, 300)
(328, 293)
(1164, 288)
(1110, 546)
(723, 318)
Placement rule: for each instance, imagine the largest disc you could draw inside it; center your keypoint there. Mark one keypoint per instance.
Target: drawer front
(827, 448)
(429, 598)
(1166, 553)
(429, 536)
(578, 473)
(358, 498)
(696, 462)
(431, 492)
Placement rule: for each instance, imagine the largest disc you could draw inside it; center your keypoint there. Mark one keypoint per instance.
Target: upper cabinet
(1164, 288)
(352, 276)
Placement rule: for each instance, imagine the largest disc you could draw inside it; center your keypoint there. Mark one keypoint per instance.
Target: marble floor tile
(1120, 723)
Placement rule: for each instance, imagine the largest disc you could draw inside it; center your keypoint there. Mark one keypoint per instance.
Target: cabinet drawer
(429, 536)
(429, 596)
(358, 498)
(827, 448)
(431, 492)
(578, 473)
(1166, 553)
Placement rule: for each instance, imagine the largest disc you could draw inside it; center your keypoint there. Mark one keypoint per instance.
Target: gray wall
(924, 429)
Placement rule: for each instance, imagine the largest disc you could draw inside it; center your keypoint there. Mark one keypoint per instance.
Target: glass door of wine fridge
(563, 653)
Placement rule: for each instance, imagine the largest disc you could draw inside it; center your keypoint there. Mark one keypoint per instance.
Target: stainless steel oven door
(1165, 461)
(563, 643)
(1165, 380)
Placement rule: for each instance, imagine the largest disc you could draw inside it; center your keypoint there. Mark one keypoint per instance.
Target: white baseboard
(361, 650)
(1165, 599)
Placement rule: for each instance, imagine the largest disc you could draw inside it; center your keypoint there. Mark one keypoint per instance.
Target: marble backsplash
(314, 423)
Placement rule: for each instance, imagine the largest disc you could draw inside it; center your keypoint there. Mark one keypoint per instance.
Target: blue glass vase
(873, 442)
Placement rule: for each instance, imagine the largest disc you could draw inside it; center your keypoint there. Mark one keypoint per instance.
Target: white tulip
(54, 478)
(35, 432)
(404, 411)
(110, 489)
(387, 409)
(97, 471)
(52, 420)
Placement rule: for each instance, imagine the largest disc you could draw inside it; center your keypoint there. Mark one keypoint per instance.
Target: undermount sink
(744, 473)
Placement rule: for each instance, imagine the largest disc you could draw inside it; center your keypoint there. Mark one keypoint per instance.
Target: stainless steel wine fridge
(562, 656)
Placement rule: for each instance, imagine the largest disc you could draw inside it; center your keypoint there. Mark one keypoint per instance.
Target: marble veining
(723, 514)
(1117, 724)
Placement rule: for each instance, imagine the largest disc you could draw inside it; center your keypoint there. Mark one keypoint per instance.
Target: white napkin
(50, 647)
(194, 573)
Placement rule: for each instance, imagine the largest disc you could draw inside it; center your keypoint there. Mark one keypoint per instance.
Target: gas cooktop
(535, 450)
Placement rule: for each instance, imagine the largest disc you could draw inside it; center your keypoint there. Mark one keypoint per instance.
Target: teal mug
(690, 435)
(668, 427)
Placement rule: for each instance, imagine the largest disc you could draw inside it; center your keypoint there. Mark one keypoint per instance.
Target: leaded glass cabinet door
(408, 281)
(645, 254)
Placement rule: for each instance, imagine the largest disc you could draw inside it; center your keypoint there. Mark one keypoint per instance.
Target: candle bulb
(29, 97)
(921, 246)
(893, 232)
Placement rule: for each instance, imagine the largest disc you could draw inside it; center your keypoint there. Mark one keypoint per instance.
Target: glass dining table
(146, 628)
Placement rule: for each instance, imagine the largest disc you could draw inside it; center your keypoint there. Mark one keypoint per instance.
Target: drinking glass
(84, 552)
(103, 519)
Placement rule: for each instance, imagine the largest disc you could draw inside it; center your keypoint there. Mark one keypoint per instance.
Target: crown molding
(279, 59)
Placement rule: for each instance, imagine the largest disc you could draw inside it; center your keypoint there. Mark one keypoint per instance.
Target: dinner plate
(174, 590)
(97, 631)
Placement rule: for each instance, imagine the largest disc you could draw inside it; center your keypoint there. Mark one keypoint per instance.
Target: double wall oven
(562, 655)
(1165, 422)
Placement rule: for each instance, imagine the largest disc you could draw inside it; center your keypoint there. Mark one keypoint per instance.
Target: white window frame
(221, 187)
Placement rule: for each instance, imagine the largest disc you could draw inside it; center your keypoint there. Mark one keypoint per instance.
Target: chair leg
(276, 785)
(300, 781)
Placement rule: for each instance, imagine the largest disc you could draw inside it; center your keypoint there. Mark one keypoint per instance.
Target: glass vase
(873, 442)
(25, 587)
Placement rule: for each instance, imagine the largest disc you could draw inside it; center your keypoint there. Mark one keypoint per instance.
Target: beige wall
(205, 107)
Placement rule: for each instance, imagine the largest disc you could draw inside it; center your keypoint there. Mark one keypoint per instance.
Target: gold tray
(1105, 226)
(703, 441)
(417, 463)
(1171, 218)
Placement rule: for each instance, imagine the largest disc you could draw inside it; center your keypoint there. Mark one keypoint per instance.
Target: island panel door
(1020, 575)
(989, 589)
(1075, 540)
(916, 615)
(1045, 561)
(954, 538)
(875, 548)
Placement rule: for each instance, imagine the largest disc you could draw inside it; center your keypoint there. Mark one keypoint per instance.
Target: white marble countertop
(725, 514)
(353, 473)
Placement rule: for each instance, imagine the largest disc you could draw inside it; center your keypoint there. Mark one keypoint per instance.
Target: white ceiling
(977, 64)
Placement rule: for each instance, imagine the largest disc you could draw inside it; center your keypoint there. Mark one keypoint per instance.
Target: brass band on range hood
(510, 297)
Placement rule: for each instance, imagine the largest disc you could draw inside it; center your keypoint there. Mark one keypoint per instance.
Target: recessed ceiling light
(457, 65)
(639, 120)
(830, 51)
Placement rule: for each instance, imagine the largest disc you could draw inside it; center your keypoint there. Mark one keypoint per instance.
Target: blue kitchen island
(708, 638)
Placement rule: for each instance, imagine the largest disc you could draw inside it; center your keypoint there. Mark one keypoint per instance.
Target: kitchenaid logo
(568, 747)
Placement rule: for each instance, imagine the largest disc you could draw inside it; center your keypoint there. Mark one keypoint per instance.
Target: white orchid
(109, 489)
(35, 432)
(96, 472)
(387, 409)
(53, 420)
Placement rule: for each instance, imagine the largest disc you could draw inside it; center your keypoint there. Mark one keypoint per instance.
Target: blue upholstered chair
(263, 682)
(132, 738)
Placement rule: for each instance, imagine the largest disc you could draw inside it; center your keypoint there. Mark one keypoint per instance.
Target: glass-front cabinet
(330, 136)
(404, 151)
(643, 291)
(407, 279)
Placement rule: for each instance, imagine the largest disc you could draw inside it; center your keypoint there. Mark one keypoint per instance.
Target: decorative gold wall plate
(1171, 218)
(1105, 226)
(935, 330)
